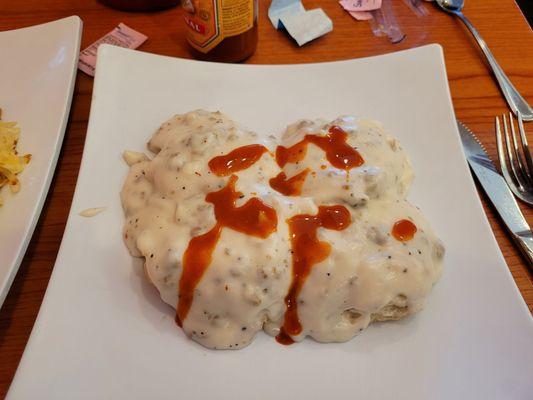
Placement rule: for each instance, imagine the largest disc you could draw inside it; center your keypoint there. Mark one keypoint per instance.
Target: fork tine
(516, 151)
(516, 175)
(501, 154)
(514, 182)
(510, 156)
(525, 147)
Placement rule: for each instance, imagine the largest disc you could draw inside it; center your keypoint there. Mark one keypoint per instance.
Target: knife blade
(498, 192)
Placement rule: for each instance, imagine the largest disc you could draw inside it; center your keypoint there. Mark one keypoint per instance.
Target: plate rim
(77, 28)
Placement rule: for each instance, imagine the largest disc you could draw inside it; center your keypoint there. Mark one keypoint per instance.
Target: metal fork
(519, 176)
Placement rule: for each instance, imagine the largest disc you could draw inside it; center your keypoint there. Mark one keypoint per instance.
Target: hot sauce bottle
(221, 30)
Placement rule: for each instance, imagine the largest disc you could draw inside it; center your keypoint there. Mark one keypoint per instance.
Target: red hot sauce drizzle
(403, 230)
(307, 250)
(289, 187)
(338, 152)
(253, 218)
(237, 160)
(256, 218)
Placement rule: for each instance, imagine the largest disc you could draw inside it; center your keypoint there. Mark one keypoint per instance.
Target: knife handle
(525, 243)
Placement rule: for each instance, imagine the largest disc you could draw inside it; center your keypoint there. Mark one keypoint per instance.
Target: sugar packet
(279, 8)
(304, 27)
(122, 36)
(301, 24)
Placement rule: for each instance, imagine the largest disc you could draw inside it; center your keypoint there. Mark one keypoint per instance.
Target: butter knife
(498, 192)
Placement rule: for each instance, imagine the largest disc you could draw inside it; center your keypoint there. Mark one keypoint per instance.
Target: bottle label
(211, 21)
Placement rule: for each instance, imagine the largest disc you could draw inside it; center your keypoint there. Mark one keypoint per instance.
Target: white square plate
(37, 74)
(103, 332)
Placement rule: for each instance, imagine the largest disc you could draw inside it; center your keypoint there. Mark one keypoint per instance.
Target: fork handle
(514, 99)
(525, 244)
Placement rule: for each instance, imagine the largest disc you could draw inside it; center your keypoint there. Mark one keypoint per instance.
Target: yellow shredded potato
(11, 164)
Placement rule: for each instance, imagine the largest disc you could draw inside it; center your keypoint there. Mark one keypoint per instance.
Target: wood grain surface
(475, 95)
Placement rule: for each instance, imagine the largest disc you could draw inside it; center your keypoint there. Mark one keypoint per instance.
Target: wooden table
(475, 95)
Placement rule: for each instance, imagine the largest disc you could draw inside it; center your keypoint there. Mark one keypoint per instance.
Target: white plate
(103, 332)
(37, 75)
